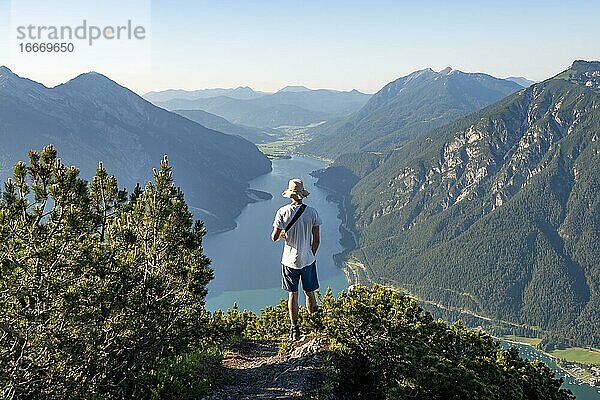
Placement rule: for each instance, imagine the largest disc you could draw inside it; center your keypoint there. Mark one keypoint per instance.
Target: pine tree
(97, 290)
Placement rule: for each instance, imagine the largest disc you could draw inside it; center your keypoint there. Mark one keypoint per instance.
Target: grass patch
(288, 139)
(278, 147)
(521, 339)
(572, 354)
(285, 145)
(578, 355)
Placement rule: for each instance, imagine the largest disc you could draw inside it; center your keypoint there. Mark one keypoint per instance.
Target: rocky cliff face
(499, 151)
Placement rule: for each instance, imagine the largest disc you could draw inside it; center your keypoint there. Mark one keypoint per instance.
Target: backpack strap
(295, 217)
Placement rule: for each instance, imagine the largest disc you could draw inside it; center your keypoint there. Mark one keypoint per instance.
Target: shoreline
(255, 195)
(546, 354)
(352, 276)
(556, 360)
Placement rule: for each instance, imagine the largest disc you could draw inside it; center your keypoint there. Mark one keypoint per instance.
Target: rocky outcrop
(260, 370)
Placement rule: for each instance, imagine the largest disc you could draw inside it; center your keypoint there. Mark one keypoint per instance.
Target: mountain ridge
(407, 107)
(220, 124)
(240, 93)
(91, 118)
(521, 80)
(294, 88)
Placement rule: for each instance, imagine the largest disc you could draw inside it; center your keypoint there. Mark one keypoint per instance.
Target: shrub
(385, 347)
(185, 376)
(97, 288)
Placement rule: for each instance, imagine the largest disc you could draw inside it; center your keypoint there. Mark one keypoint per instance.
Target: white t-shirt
(297, 252)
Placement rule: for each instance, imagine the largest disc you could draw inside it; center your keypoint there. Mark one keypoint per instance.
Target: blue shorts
(290, 277)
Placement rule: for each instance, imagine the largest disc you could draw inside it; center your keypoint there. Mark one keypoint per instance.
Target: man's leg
(293, 311)
(293, 306)
(289, 282)
(310, 283)
(311, 301)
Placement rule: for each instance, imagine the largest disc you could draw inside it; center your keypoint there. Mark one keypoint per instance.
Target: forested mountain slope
(498, 212)
(409, 106)
(92, 118)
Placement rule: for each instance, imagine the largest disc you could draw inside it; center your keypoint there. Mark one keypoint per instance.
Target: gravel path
(257, 370)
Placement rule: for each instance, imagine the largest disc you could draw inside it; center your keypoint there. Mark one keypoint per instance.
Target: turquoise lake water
(245, 260)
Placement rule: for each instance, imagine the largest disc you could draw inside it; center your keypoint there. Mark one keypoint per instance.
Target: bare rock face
(259, 370)
(493, 157)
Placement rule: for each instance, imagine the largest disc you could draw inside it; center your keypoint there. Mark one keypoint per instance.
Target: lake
(247, 264)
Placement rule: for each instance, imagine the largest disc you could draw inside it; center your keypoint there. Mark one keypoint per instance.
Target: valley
(441, 203)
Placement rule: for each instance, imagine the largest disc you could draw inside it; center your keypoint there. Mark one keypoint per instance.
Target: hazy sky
(319, 44)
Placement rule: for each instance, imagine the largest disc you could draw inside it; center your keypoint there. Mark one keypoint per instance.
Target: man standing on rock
(298, 224)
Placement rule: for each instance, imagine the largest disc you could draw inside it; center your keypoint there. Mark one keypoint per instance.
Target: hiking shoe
(294, 333)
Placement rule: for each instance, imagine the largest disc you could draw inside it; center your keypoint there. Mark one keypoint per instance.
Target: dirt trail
(256, 370)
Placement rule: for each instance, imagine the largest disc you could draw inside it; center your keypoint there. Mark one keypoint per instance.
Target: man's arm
(278, 231)
(277, 234)
(316, 239)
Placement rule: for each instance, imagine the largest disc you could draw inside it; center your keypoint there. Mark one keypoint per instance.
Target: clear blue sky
(341, 44)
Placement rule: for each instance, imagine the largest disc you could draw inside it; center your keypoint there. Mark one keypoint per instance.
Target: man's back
(297, 252)
(302, 241)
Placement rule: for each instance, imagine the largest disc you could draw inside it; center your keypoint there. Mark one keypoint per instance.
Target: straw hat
(296, 189)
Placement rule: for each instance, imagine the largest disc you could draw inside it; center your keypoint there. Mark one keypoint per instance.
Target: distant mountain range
(497, 213)
(294, 89)
(407, 107)
(212, 121)
(521, 81)
(240, 93)
(92, 118)
(288, 107)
